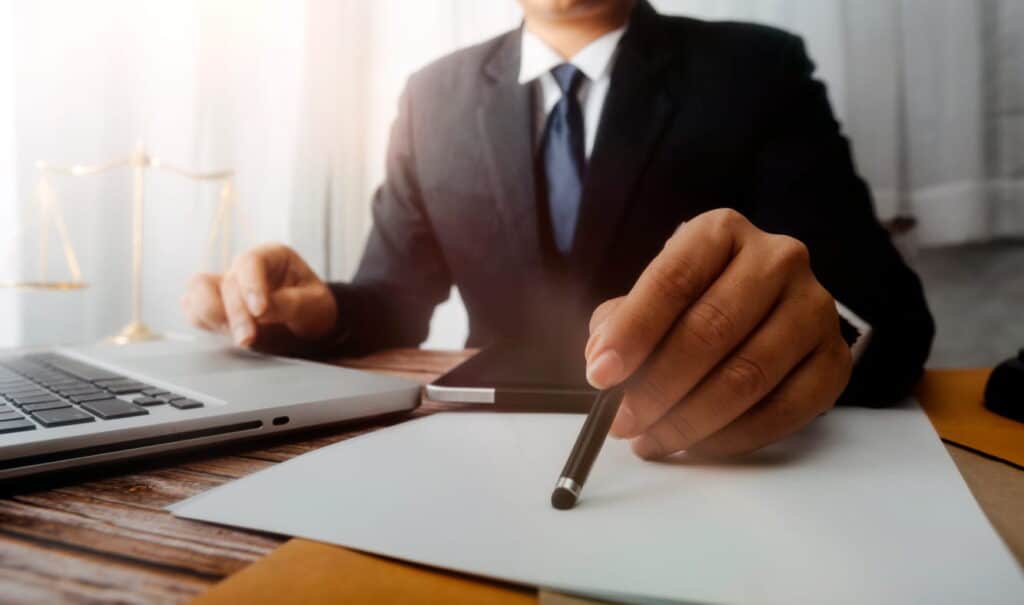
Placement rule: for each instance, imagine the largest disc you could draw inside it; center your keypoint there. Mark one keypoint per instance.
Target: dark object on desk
(520, 376)
(1004, 393)
(587, 447)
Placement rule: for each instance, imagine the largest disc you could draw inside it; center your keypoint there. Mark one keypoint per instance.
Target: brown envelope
(953, 400)
(307, 572)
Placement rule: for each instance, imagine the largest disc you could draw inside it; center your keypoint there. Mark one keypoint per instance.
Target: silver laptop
(74, 406)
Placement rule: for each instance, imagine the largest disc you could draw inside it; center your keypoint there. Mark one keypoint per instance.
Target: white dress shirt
(596, 60)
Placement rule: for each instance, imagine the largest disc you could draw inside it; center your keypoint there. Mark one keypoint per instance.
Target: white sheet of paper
(863, 507)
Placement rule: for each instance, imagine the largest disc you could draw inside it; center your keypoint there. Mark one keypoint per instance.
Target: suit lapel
(504, 119)
(636, 113)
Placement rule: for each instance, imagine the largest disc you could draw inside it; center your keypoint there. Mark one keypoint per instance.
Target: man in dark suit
(682, 184)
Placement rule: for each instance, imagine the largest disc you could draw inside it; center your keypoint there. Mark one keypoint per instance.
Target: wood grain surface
(102, 536)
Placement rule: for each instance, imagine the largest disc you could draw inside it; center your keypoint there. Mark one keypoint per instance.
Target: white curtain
(297, 98)
(10, 316)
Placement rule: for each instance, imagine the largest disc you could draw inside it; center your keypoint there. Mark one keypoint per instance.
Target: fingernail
(243, 334)
(590, 345)
(624, 423)
(646, 448)
(257, 303)
(605, 370)
(592, 341)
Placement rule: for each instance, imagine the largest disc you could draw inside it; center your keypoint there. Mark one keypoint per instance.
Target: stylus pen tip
(565, 493)
(563, 498)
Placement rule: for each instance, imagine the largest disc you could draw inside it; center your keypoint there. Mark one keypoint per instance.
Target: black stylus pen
(587, 447)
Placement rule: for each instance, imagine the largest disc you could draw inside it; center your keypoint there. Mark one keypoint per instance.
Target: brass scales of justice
(50, 215)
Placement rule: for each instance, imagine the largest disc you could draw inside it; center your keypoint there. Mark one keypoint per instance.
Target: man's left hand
(726, 343)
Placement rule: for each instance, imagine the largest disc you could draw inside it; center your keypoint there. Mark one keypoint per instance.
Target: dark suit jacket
(699, 116)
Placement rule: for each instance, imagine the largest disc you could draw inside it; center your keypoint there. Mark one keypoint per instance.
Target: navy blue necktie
(564, 158)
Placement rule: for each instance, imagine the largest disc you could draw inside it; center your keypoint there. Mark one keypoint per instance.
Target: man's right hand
(269, 299)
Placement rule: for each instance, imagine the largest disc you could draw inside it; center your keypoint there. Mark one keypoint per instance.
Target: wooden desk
(102, 536)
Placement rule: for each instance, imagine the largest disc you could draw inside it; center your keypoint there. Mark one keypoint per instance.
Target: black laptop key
(9, 415)
(61, 417)
(36, 392)
(66, 383)
(169, 397)
(78, 384)
(35, 399)
(91, 397)
(14, 426)
(94, 375)
(125, 388)
(154, 392)
(80, 370)
(47, 405)
(148, 401)
(109, 409)
(132, 382)
(185, 404)
(20, 385)
(28, 390)
(88, 390)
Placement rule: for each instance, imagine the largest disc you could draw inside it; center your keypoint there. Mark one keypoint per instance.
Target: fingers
(202, 303)
(691, 261)
(704, 335)
(309, 312)
(270, 289)
(242, 325)
(601, 313)
(260, 271)
(250, 273)
(809, 391)
(735, 385)
(723, 321)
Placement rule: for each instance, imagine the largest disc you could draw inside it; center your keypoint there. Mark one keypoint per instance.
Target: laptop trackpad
(201, 362)
(222, 372)
(169, 358)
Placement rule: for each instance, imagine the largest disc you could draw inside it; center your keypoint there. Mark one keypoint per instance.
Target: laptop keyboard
(47, 390)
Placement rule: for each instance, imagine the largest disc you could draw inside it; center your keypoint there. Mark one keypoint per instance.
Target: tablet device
(521, 377)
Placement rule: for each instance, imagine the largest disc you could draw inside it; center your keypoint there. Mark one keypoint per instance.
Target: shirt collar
(537, 58)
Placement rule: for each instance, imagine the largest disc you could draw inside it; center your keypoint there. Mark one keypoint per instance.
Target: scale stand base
(132, 333)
